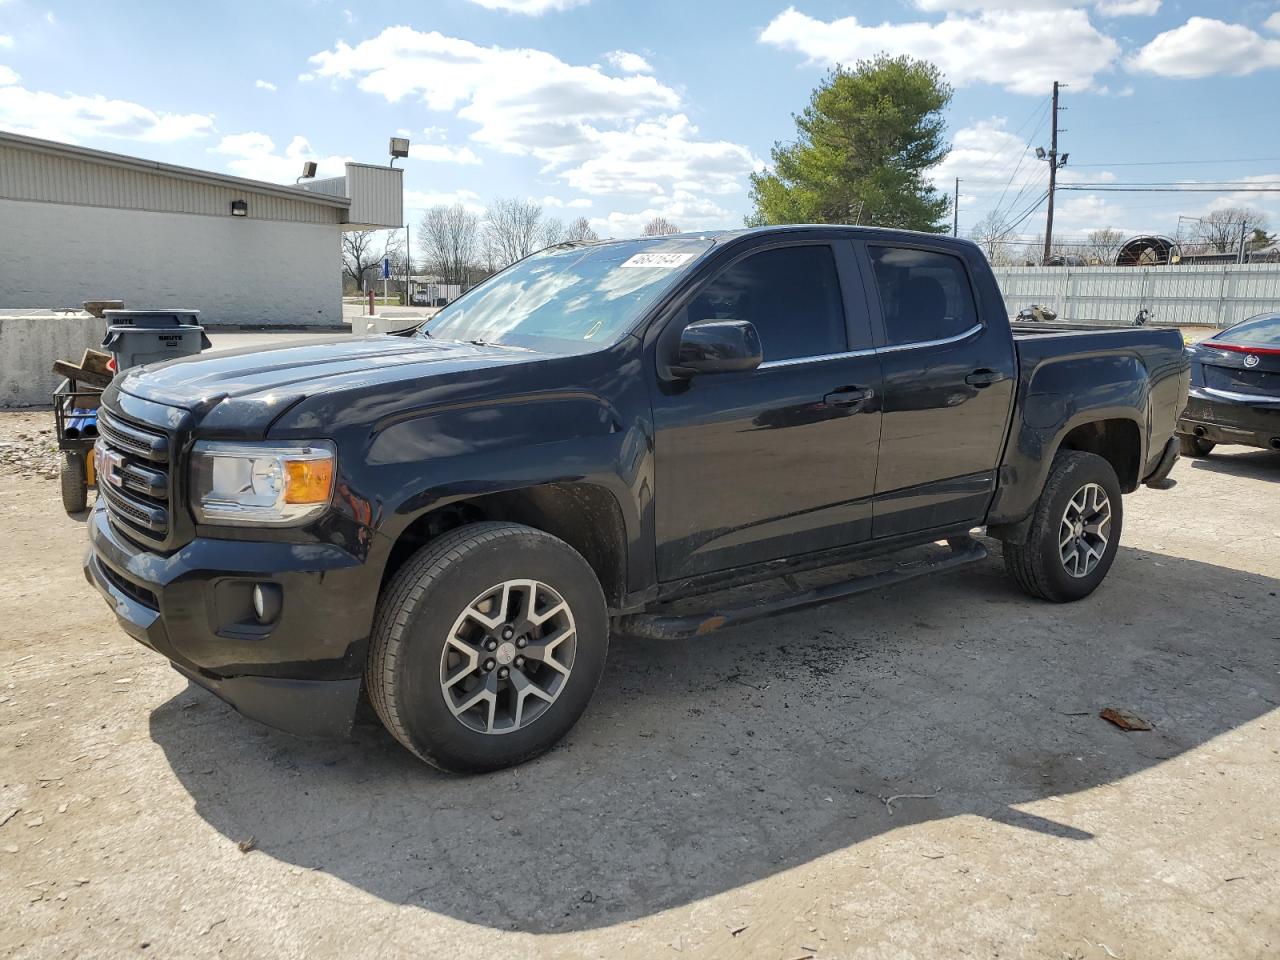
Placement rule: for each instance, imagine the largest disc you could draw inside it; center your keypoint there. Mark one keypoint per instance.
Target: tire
(74, 478)
(437, 594)
(1037, 564)
(1190, 446)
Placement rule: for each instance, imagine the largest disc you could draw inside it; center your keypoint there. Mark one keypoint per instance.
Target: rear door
(781, 460)
(949, 376)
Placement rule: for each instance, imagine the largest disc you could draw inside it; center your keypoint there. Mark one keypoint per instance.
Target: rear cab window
(925, 295)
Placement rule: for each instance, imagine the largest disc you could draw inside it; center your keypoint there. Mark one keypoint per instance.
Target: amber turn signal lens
(308, 481)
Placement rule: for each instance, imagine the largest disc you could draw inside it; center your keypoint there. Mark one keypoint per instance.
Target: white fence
(1174, 295)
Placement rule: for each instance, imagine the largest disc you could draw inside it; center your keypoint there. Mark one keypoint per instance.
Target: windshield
(568, 299)
(1264, 331)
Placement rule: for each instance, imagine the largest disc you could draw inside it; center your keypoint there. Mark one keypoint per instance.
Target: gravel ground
(721, 798)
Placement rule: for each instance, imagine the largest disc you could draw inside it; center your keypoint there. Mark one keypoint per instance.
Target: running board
(654, 626)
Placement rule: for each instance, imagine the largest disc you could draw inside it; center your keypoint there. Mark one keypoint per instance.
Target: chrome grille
(135, 477)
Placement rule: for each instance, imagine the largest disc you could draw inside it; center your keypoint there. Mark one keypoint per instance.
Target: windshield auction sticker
(658, 261)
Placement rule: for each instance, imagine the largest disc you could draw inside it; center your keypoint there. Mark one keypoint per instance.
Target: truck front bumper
(300, 672)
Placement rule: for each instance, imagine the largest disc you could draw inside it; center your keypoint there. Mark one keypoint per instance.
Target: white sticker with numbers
(656, 261)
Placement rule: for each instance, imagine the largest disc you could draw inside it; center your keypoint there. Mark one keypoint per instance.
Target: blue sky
(619, 110)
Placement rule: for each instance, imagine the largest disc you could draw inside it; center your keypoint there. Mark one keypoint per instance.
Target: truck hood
(248, 388)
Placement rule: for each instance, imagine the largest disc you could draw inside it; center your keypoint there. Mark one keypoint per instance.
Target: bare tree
(512, 230)
(988, 234)
(1104, 245)
(552, 232)
(1221, 229)
(580, 229)
(447, 241)
(660, 227)
(360, 254)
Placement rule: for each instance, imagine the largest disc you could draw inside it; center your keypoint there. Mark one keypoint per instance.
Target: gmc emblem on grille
(110, 466)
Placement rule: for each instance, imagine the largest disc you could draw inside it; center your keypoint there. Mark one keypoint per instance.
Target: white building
(79, 224)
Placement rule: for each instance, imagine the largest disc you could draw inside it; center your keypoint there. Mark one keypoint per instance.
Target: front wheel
(1075, 530)
(487, 646)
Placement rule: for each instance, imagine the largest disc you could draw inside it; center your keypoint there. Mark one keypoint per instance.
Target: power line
(1175, 163)
(1112, 188)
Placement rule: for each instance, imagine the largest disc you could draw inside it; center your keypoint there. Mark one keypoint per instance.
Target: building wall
(27, 174)
(233, 270)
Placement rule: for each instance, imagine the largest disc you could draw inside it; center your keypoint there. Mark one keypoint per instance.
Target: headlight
(249, 483)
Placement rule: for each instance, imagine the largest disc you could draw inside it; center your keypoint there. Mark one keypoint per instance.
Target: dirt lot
(720, 797)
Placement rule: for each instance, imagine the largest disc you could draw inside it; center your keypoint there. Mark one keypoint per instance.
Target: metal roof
(154, 167)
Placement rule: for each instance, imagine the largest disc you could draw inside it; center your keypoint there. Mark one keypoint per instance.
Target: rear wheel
(487, 646)
(1191, 446)
(1074, 533)
(74, 480)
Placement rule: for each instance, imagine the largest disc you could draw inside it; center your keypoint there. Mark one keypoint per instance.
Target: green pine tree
(862, 148)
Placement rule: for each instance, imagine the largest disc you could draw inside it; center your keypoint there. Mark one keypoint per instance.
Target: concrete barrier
(30, 340)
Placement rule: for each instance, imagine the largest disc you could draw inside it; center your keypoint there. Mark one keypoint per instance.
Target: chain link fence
(1214, 296)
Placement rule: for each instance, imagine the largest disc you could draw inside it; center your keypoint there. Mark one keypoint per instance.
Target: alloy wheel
(1085, 530)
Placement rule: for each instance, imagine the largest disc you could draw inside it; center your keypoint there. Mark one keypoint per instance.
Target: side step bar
(654, 626)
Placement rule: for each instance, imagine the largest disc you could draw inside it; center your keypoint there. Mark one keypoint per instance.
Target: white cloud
(685, 210)
(6, 40)
(1202, 47)
(7, 76)
(254, 156)
(1128, 8)
(265, 85)
(348, 16)
(597, 132)
(50, 17)
(1021, 50)
(628, 62)
(1108, 8)
(532, 8)
(426, 199)
(73, 118)
(1272, 22)
(578, 203)
(441, 153)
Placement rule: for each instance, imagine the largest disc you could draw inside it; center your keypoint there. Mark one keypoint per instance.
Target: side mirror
(718, 346)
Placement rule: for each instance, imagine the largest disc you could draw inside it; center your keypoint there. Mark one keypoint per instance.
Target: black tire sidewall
(431, 727)
(1075, 472)
(73, 477)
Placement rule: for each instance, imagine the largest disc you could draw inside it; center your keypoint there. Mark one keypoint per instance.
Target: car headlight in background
(250, 483)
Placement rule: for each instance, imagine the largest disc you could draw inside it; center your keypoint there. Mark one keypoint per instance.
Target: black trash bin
(135, 337)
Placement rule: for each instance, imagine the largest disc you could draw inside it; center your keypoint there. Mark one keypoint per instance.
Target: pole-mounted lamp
(308, 171)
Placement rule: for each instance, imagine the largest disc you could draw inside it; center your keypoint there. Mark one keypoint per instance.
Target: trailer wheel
(486, 646)
(1075, 530)
(74, 478)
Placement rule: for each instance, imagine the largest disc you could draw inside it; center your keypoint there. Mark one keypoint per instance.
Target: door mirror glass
(718, 346)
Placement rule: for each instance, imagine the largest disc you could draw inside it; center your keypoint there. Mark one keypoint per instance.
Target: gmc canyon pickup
(454, 519)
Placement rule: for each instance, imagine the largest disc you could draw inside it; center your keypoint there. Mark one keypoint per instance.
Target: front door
(778, 461)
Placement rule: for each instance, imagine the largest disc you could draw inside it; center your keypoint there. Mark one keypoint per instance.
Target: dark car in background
(1235, 388)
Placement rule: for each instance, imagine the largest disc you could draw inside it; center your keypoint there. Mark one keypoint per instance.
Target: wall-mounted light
(399, 148)
(239, 208)
(308, 171)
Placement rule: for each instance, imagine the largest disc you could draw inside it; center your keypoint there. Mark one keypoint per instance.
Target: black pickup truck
(455, 519)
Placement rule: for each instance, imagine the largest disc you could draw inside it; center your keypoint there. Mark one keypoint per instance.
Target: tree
(988, 234)
(1104, 245)
(360, 254)
(511, 230)
(660, 227)
(580, 229)
(447, 241)
(863, 147)
(552, 232)
(1261, 239)
(1222, 228)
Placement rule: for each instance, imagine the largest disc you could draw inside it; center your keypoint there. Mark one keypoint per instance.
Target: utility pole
(1240, 255)
(408, 264)
(955, 211)
(1054, 163)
